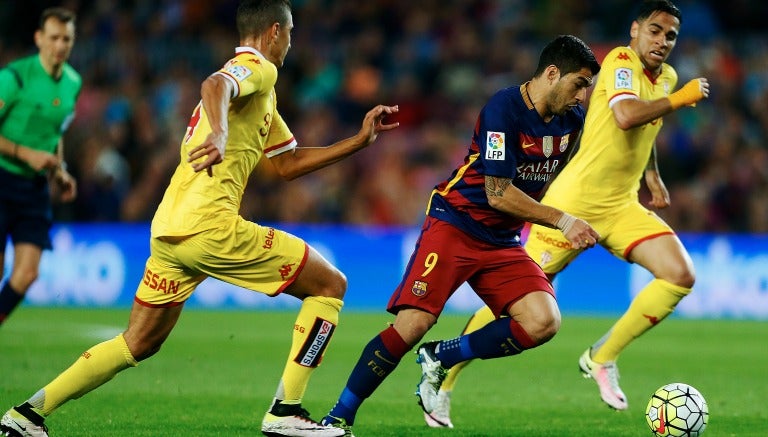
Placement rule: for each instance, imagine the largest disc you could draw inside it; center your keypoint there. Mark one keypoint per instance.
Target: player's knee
(542, 327)
(682, 276)
(22, 278)
(335, 286)
(413, 324)
(141, 350)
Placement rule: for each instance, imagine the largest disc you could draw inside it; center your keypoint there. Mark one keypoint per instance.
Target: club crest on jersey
(623, 79)
(419, 288)
(494, 146)
(238, 72)
(564, 142)
(547, 145)
(546, 257)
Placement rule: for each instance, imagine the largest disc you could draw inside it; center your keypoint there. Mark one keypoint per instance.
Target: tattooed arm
(507, 198)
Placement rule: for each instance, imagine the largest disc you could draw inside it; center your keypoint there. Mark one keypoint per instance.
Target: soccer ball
(676, 410)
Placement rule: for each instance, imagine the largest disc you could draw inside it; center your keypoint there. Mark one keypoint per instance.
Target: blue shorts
(25, 209)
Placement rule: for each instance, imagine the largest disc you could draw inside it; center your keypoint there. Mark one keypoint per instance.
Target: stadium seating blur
(142, 62)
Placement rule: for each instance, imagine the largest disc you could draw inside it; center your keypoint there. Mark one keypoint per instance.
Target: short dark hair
(62, 14)
(569, 54)
(256, 16)
(649, 7)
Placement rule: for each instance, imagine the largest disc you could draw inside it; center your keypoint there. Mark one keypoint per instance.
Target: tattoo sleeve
(495, 187)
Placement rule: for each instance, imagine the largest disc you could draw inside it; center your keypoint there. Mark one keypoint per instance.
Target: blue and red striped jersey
(510, 140)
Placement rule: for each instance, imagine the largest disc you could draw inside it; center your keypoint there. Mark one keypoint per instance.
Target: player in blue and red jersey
(472, 233)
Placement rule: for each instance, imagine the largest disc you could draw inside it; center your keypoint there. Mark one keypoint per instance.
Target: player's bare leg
(26, 265)
(669, 262)
(148, 328)
(533, 320)
(321, 287)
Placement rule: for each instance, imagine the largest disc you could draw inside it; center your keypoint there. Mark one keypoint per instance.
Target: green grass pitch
(217, 373)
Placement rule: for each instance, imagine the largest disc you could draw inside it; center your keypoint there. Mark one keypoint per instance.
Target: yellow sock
(482, 317)
(654, 303)
(312, 332)
(95, 366)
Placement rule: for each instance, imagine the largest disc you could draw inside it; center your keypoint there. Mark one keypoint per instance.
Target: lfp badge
(494, 149)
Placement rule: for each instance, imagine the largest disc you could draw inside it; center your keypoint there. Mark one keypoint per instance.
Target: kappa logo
(653, 319)
(623, 57)
(286, 270)
(419, 288)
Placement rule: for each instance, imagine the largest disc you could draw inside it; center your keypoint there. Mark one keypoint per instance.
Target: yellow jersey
(606, 170)
(195, 202)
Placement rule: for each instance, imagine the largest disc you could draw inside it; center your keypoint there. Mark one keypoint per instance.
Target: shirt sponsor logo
(311, 351)
(269, 239)
(553, 242)
(494, 146)
(156, 282)
(541, 171)
(623, 79)
(238, 72)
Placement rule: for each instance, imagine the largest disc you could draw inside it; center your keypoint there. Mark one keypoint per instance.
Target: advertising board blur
(100, 265)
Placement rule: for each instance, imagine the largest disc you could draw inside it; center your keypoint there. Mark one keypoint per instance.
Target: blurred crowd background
(142, 62)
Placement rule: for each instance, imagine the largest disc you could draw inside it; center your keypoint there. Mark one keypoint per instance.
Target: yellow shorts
(242, 253)
(620, 229)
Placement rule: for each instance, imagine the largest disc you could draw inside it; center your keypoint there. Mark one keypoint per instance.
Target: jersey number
(267, 121)
(429, 263)
(193, 122)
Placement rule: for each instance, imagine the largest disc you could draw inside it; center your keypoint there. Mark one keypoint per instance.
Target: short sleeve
(621, 72)
(249, 74)
(280, 138)
(495, 137)
(9, 89)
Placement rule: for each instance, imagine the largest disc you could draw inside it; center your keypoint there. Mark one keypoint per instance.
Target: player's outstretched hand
(213, 151)
(704, 86)
(373, 123)
(690, 93)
